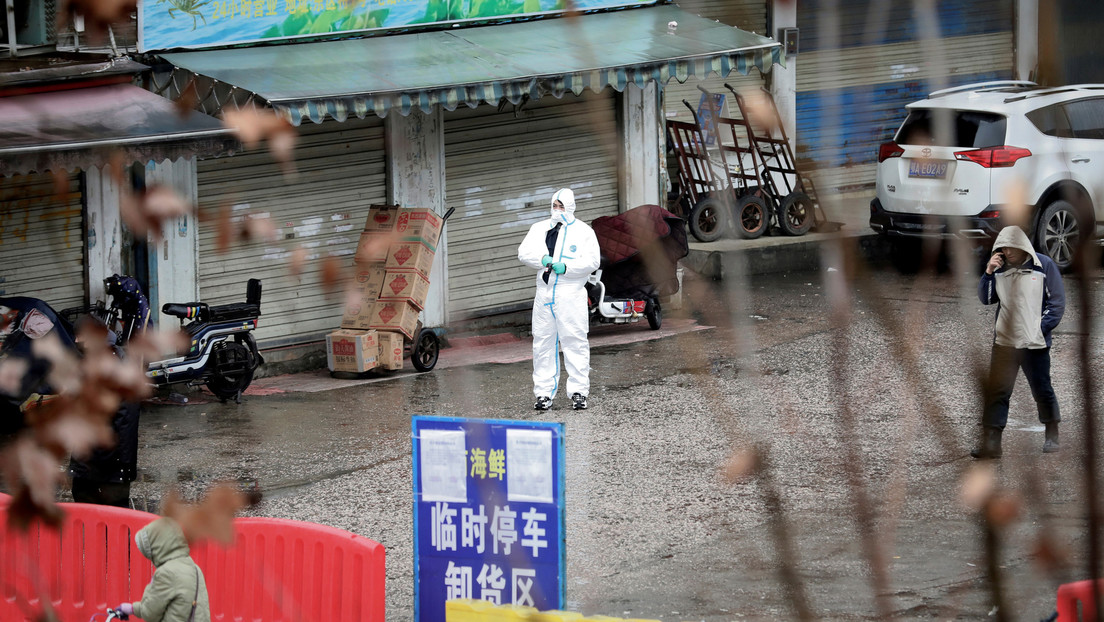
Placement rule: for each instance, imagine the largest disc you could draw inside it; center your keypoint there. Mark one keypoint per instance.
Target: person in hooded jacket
(177, 592)
(1027, 288)
(564, 251)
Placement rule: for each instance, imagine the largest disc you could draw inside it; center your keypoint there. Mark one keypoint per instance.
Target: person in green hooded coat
(178, 591)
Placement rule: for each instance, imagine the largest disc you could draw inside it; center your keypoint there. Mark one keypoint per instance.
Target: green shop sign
(170, 24)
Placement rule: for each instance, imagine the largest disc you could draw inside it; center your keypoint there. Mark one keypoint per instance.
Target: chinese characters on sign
(488, 515)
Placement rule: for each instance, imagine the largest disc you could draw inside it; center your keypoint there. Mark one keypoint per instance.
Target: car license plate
(931, 170)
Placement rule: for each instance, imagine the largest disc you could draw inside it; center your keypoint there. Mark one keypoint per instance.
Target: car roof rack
(981, 85)
(1056, 90)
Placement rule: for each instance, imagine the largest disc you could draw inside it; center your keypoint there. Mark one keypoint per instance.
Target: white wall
(103, 230)
(416, 178)
(783, 80)
(642, 156)
(174, 258)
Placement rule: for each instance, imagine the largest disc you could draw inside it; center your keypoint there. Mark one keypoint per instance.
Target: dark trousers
(101, 493)
(1004, 365)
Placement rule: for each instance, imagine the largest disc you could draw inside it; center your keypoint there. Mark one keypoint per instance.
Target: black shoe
(1050, 445)
(543, 403)
(990, 446)
(578, 401)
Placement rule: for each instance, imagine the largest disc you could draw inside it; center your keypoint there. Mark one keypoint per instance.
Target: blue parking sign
(488, 513)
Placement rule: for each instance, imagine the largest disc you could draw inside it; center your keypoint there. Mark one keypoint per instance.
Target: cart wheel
(654, 314)
(708, 220)
(795, 214)
(751, 216)
(426, 349)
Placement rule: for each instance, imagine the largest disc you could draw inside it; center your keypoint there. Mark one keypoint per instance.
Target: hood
(1015, 237)
(567, 197)
(161, 541)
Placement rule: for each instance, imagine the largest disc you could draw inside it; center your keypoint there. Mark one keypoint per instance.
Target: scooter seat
(186, 311)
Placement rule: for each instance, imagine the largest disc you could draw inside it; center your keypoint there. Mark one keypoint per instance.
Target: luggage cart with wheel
(424, 348)
(697, 199)
(794, 194)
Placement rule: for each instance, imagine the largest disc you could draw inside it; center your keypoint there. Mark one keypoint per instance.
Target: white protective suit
(560, 316)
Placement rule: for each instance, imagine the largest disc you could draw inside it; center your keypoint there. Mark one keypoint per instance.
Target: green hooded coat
(169, 596)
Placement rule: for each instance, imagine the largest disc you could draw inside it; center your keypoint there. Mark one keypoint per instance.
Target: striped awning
(486, 64)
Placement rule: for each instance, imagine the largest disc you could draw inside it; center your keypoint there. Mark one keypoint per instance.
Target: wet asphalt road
(654, 529)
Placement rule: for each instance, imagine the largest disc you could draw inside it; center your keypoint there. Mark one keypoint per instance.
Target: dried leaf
(64, 376)
(331, 275)
(189, 99)
(32, 474)
(224, 228)
(258, 228)
(740, 466)
(296, 261)
(213, 516)
(977, 487)
(1049, 553)
(12, 372)
(1003, 508)
(161, 203)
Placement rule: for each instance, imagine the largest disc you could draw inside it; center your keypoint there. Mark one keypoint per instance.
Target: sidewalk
(503, 348)
(782, 253)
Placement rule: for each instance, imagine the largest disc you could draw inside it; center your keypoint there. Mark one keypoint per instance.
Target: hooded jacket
(574, 244)
(1030, 297)
(169, 596)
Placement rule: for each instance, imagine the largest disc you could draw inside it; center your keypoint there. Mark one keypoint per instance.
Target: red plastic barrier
(1070, 594)
(278, 570)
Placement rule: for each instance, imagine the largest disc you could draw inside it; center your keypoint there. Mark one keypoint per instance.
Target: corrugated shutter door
(500, 173)
(852, 98)
(42, 239)
(340, 171)
(749, 15)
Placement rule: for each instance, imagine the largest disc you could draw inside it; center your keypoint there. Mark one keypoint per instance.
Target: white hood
(567, 197)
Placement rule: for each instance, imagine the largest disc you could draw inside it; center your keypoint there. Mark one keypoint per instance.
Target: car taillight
(993, 157)
(889, 150)
(990, 214)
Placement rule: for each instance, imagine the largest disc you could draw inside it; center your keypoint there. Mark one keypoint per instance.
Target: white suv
(964, 155)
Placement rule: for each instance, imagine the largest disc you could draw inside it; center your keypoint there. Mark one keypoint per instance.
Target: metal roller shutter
(749, 15)
(42, 239)
(500, 173)
(340, 171)
(851, 94)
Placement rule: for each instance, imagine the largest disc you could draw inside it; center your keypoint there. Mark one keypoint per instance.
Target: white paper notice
(529, 465)
(444, 466)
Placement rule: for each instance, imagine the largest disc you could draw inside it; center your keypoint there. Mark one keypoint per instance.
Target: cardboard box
(410, 255)
(373, 247)
(390, 350)
(419, 225)
(352, 350)
(365, 290)
(382, 218)
(405, 286)
(394, 316)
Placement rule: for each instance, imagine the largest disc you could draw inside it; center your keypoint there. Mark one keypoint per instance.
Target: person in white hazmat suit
(565, 252)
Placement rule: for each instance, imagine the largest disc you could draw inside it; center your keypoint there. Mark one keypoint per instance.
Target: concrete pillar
(416, 178)
(174, 258)
(643, 150)
(783, 80)
(1027, 38)
(103, 230)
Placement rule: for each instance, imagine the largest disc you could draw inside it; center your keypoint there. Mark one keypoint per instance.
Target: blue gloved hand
(547, 259)
(559, 267)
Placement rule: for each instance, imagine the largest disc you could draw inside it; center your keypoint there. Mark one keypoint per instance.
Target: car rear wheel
(1058, 233)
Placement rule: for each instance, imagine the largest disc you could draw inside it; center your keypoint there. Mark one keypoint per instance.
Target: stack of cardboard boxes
(391, 281)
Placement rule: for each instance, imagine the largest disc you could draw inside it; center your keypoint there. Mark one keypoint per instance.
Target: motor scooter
(608, 310)
(222, 352)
